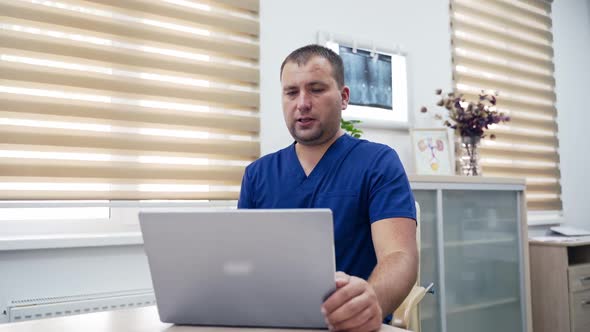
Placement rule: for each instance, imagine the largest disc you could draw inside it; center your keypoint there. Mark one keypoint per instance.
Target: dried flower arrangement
(469, 118)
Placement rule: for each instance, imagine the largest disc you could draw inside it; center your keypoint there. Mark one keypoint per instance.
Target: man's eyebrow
(317, 83)
(312, 83)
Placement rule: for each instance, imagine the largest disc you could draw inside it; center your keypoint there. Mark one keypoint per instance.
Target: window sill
(69, 240)
(121, 229)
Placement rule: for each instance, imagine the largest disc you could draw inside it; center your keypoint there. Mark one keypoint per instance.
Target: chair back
(407, 316)
(418, 241)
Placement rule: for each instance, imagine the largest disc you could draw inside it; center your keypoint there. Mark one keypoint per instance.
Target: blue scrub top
(360, 181)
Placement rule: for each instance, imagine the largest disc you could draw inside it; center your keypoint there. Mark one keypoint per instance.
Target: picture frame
(377, 78)
(433, 151)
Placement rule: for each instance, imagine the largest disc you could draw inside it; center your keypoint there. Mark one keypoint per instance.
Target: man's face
(312, 101)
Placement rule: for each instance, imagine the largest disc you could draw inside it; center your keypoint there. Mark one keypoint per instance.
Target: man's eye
(291, 93)
(317, 90)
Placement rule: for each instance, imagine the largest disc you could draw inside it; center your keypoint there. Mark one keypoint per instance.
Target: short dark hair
(303, 54)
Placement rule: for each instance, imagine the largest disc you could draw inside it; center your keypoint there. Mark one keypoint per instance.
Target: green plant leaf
(349, 127)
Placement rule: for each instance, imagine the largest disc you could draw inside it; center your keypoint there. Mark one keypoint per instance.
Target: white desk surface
(132, 320)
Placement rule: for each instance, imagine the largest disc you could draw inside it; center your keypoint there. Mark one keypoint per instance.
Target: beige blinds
(133, 99)
(506, 45)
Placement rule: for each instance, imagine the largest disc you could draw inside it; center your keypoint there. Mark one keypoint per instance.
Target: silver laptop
(259, 268)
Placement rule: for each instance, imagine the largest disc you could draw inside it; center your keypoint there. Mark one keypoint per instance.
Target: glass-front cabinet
(472, 248)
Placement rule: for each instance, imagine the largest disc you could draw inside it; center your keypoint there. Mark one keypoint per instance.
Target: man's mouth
(305, 120)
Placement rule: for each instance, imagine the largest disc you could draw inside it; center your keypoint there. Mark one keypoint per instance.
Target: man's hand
(353, 306)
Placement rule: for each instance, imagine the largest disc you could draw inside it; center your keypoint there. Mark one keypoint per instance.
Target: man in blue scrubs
(363, 183)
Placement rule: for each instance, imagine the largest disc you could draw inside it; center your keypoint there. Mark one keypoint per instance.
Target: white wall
(571, 34)
(420, 27)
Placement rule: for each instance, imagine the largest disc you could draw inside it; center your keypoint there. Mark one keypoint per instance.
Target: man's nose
(304, 101)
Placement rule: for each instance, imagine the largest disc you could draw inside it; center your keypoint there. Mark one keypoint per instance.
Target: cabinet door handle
(585, 279)
(585, 303)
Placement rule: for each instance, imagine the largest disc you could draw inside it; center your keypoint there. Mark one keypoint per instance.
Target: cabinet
(473, 238)
(560, 279)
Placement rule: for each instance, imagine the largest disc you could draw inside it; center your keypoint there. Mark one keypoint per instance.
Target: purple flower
(493, 100)
(470, 118)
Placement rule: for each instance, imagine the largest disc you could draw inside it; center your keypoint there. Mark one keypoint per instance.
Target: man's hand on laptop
(353, 306)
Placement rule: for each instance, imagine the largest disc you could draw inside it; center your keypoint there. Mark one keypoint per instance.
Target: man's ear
(345, 94)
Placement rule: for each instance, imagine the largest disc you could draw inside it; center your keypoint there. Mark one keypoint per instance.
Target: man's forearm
(393, 279)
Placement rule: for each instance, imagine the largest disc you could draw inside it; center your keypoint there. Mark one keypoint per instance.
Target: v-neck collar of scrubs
(334, 152)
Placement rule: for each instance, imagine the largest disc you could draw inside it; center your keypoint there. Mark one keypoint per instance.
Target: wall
(420, 27)
(571, 34)
(71, 275)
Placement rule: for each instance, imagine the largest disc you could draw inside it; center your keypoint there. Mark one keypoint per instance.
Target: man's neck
(310, 155)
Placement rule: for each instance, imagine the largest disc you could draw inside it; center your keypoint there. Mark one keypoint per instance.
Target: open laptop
(259, 268)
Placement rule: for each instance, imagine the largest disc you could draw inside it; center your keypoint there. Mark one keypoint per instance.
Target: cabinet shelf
(482, 305)
(452, 244)
(428, 314)
(487, 220)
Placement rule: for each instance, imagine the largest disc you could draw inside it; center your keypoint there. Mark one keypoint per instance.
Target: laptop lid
(260, 268)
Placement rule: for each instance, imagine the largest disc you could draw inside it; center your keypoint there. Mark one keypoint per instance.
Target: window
(110, 100)
(507, 46)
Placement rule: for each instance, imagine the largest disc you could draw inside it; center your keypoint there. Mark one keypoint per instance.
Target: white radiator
(28, 309)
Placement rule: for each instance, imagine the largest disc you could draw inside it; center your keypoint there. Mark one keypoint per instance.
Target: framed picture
(377, 80)
(433, 151)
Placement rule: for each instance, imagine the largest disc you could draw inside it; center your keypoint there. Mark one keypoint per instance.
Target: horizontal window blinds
(131, 99)
(507, 46)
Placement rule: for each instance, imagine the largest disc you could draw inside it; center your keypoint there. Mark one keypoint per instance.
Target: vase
(467, 154)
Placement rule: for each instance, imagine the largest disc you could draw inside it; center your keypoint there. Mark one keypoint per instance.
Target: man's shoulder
(373, 157)
(373, 146)
(370, 149)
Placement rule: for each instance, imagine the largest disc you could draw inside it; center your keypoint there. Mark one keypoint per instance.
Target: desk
(560, 278)
(133, 320)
